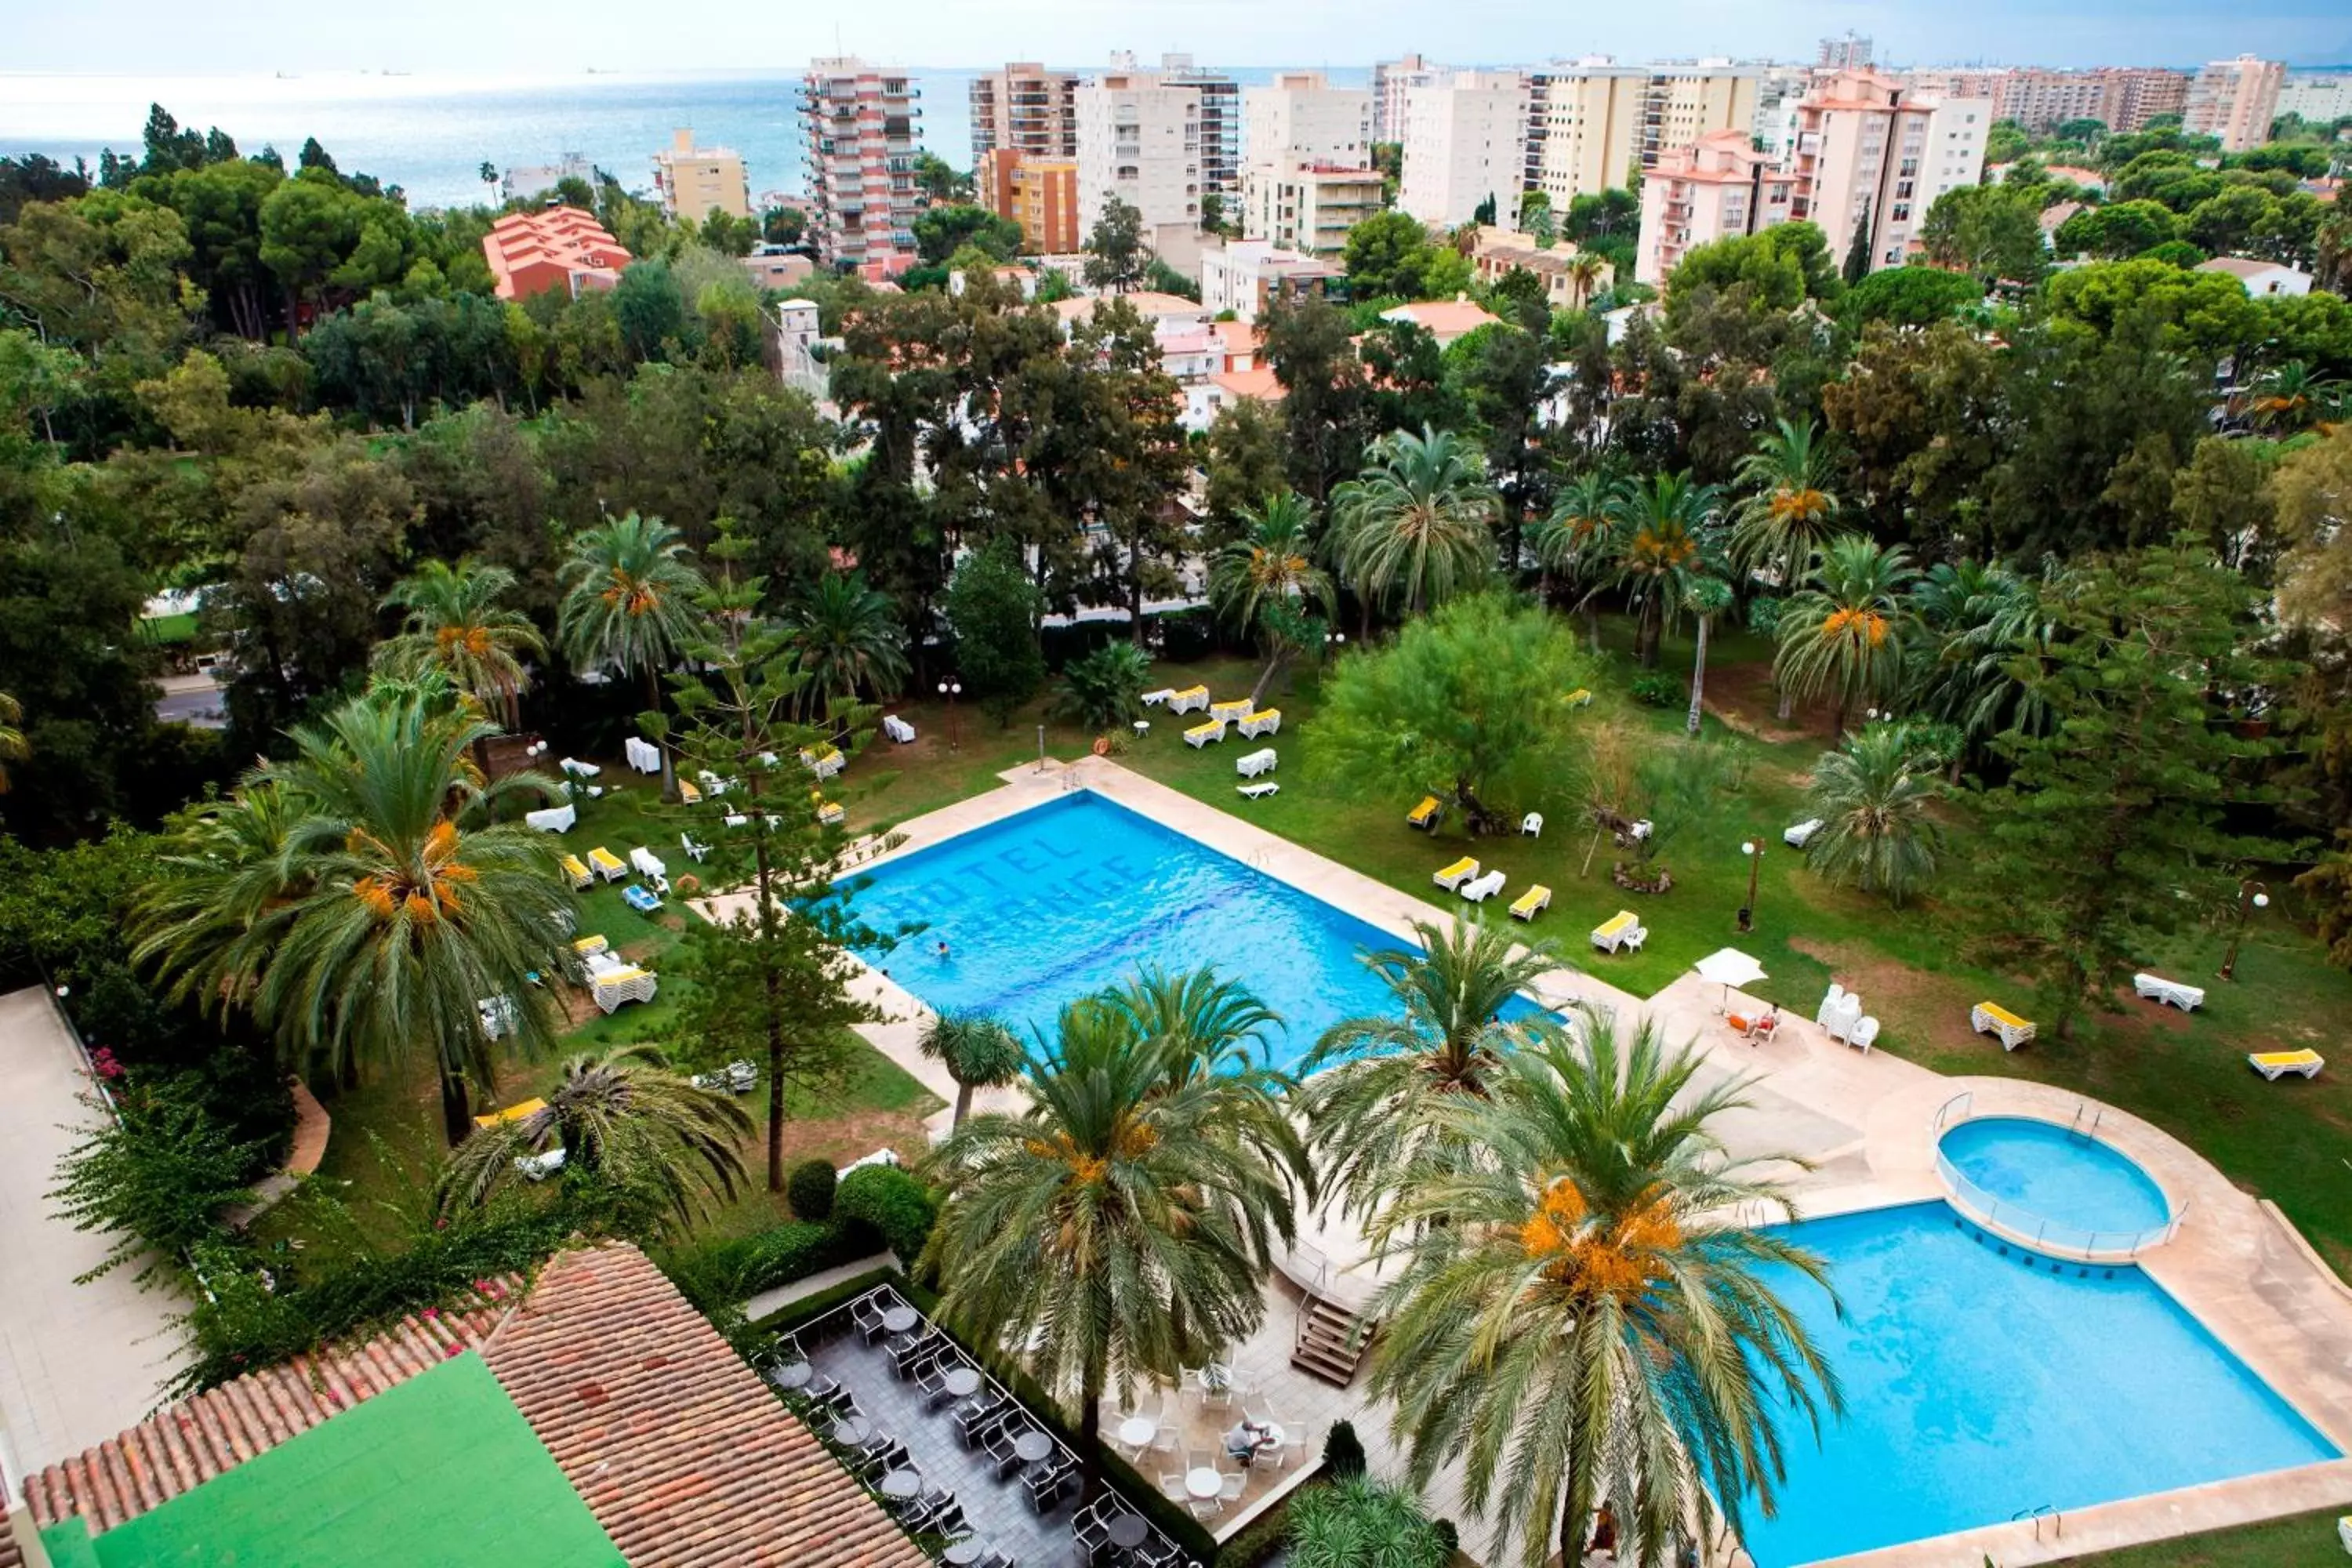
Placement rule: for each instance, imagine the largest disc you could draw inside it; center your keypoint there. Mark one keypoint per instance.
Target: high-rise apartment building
(1392, 79)
(862, 126)
(1221, 123)
(1300, 115)
(1872, 155)
(1778, 88)
(1592, 122)
(1300, 206)
(1851, 53)
(2121, 98)
(1026, 109)
(1139, 141)
(1464, 144)
(1308, 177)
(1041, 194)
(2236, 100)
(696, 182)
(2320, 96)
(1718, 188)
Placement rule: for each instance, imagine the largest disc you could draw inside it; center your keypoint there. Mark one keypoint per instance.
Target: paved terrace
(78, 1362)
(1861, 1124)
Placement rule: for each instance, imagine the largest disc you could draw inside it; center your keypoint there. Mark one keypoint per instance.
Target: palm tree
(1978, 619)
(1583, 272)
(1578, 540)
(1872, 795)
(216, 905)
(1843, 632)
(1580, 1320)
(629, 602)
(1417, 523)
(1266, 579)
(1217, 1031)
(1789, 506)
(847, 636)
(1113, 1232)
(1705, 597)
(1367, 1084)
(456, 624)
(1658, 546)
(623, 1116)
(12, 738)
(978, 1051)
(2290, 396)
(392, 907)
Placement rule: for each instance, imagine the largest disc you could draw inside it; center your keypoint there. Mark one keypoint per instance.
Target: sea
(430, 133)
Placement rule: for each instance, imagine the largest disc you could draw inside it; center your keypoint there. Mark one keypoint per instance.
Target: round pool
(2039, 1170)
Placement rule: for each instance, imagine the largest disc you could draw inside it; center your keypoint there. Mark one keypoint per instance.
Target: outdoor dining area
(963, 1466)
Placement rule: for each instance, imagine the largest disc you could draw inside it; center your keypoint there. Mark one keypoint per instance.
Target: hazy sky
(263, 35)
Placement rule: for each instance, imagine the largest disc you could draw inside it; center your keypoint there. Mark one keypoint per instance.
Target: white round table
(1142, 728)
(1203, 1483)
(901, 1485)
(962, 1382)
(1138, 1430)
(1032, 1446)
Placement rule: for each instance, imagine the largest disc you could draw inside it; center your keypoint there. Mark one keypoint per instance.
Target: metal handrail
(2039, 1512)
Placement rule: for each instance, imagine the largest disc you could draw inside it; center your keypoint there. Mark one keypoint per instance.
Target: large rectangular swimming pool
(1067, 898)
(1978, 1385)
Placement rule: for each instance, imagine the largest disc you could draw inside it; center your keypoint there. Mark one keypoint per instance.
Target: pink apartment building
(862, 124)
(1717, 187)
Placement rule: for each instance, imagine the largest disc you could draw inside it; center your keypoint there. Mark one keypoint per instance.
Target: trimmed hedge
(1250, 1548)
(811, 1188)
(723, 1275)
(891, 1205)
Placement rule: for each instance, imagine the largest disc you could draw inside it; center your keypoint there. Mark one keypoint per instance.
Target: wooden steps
(1331, 1340)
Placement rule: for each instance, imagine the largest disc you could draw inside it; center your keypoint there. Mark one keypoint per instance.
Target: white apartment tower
(1024, 109)
(1465, 141)
(2236, 100)
(1392, 79)
(1310, 175)
(1139, 141)
(862, 126)
(1592, 122)
(1871, 150)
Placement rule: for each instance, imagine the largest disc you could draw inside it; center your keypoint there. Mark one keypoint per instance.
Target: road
(78, 1362)
(193, 699)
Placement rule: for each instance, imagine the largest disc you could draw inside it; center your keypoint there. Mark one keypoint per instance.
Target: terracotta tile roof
(183, 1445)
(683, 1455)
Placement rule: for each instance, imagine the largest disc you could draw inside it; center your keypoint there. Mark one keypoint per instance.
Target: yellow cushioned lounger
(1536, 898)
(831, 813)
(577, 869)
(588, 944)
(2275, 1065)
(1454, 876)
(1580, 697)
(1424, 813)
(689, 792)
(511, 1113)
(2002, 1014)
(611, 865)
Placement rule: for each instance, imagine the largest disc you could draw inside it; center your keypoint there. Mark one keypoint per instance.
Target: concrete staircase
(1331, 1340)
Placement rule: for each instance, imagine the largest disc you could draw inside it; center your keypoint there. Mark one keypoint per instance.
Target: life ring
(1102, 745)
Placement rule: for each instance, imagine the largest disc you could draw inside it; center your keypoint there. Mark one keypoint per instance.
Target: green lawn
(167, 631)
(387, 1133)
(2305, 1540)
(2289, 1141)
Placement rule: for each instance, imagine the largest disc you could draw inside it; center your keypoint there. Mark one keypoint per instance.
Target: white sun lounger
(2168, 993)
(1478, 890)
(1254, 763)
(1154, 698)
(1260, 790)
(647, 863)
(641, 755)
(554, 819)
(578, 769)
(898, 729)
(1795, 837)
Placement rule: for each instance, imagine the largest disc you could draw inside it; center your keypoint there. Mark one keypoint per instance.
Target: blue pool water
(2055, 1173)
(1067, 898)
(1977, 1386)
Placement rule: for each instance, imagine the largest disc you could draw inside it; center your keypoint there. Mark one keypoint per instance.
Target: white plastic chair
(1531, 824)
(1865, 1033)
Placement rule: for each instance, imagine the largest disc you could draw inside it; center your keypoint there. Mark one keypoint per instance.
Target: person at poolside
(1248, 1438)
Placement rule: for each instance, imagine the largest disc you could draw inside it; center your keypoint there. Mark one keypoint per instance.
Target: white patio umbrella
(1727, 967)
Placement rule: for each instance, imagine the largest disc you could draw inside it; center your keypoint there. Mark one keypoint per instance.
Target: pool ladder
(2048, 1510)
(2088, 1131)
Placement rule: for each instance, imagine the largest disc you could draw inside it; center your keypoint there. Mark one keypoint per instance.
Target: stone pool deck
(1863, 1124)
